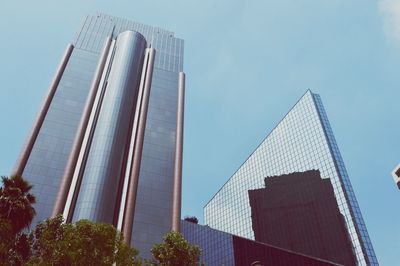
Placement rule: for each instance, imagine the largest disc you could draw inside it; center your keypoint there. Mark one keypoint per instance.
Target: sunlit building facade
(303, 140)
(107, 143)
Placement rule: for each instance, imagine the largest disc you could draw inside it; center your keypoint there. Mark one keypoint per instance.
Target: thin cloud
(390, 9)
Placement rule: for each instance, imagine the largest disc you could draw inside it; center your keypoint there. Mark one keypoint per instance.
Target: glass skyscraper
(302, 141)
(107, 143)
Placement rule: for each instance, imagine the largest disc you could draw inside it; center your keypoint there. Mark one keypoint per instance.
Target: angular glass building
(107, 143)
(302, 141)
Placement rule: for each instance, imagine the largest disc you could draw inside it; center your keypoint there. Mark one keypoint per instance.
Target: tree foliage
(175, 251)
(16, 202)
(53, 242)
(82, 243)
(16, 214)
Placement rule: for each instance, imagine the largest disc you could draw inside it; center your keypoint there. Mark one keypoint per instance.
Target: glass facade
(302, 141)
(216, 246)
(48, 158)
(154, 196)
(105, 161)
(220, 248)
(50, 152)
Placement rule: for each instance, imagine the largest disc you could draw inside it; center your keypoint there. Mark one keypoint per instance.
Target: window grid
(297, 144)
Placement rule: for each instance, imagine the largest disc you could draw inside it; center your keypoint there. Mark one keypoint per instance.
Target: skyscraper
(302, 141)
(107, 143)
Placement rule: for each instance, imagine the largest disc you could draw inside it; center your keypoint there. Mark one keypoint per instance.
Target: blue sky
(247, 63)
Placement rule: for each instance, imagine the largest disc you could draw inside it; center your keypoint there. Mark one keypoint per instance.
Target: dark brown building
(220, 248)
(299, 212)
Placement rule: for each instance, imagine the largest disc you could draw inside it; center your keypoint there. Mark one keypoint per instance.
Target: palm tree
(16, 202)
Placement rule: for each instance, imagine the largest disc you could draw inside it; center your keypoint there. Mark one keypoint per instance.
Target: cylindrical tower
(105, 160)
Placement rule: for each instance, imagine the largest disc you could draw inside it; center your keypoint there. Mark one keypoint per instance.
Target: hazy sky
(247, 63)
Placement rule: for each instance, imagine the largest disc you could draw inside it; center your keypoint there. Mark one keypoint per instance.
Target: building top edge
(308, 92)
(123, 19)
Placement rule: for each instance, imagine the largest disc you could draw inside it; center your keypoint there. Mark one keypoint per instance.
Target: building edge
(37, 125)
(177, 192)
(130, 203)
(66, 180)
